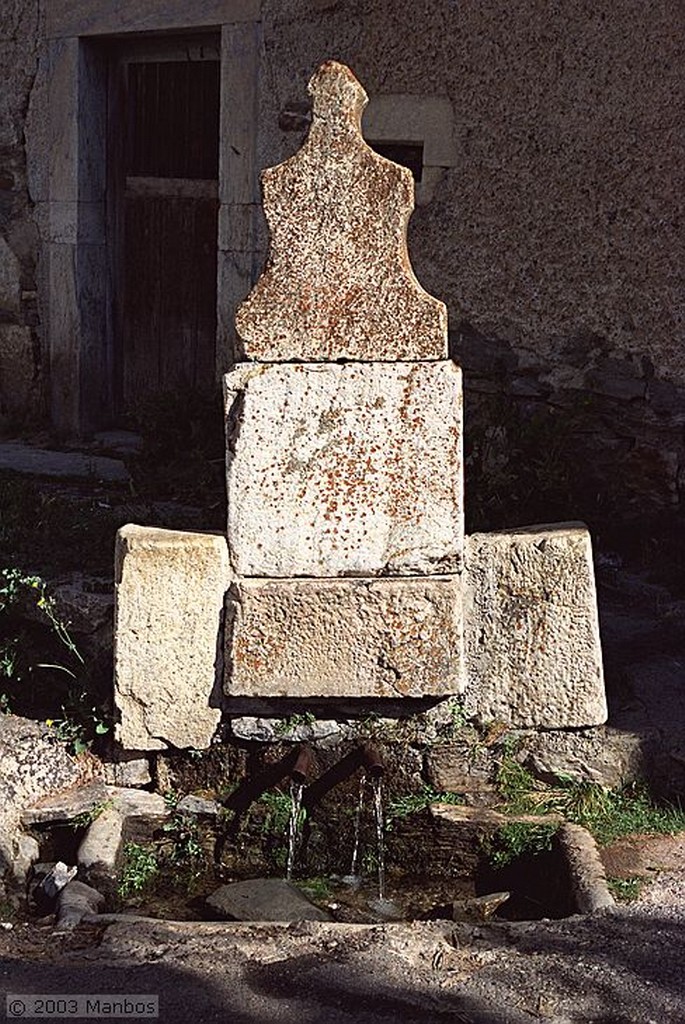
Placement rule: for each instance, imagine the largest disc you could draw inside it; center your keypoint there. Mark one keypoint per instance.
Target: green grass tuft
(606, 813)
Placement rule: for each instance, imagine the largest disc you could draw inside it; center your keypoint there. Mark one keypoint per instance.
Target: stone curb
(588, 879)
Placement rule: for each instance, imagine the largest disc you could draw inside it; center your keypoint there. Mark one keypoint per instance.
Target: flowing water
(357, 827)
(380, 834)
(294, 823)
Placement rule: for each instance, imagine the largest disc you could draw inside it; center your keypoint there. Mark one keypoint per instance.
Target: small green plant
(369, 862)
(87, 818)
(184, 841)
(512, 841)
(15, 588)
(78, 729)
(626, 889)
(28, 622)
(277, 806)
(456, 719)
(140, 868)
(458, 714)
(288, 725)
(317, 889)
(411, 803)
(8, 911)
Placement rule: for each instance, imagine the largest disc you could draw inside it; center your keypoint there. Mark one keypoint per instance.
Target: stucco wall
(554, 240)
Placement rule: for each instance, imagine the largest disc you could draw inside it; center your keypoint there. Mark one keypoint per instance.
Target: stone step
(19, 457)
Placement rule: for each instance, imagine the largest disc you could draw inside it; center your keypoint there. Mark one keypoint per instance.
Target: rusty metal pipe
(304, 763)
(372, 761)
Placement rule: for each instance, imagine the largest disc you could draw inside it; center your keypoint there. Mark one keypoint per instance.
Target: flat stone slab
(338, 281)
(533, 654)
(463, 815)
(23, 458)
(644, 856)
(344, 638)
(345, 470)
(170, 589)
(85, 800)
(79, 801)
(264, 899)
(199, 807)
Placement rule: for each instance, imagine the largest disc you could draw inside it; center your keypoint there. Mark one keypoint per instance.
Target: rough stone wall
(555, 241)
(20, 353)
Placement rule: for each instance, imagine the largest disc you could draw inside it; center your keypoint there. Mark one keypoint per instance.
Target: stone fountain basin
(452, 833)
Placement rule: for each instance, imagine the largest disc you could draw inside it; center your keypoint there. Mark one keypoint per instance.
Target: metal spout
(304, 763)
(372, 761)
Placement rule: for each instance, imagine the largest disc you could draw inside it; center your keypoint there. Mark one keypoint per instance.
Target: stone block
(533, 654)
(83, 17)
(460, 767)
(170, 589)
(18, 457)
(458, 834)
(72, 803)
(344, 638)
(264, 899)
(130, 772)
(345, 469)
(76, 901)
(338, 281)
(26, 854)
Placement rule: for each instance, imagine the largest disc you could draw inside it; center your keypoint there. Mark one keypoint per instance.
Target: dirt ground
(622, 966)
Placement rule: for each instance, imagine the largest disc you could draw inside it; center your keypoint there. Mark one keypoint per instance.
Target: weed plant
(139, 871)
(317, 889)
(42, 672)
(512, 841)
(412, 803)
(607, 814)
(626, 889)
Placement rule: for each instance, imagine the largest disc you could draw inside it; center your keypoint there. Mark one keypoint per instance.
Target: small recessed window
(409, 154)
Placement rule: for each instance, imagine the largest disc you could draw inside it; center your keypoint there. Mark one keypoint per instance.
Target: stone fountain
(344, 572)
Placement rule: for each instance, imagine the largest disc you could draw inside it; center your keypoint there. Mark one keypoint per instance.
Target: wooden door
(165, 146)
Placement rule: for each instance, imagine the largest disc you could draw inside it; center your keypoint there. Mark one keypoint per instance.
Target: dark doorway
(163, 184)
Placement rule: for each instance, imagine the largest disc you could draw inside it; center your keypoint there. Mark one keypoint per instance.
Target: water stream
(357, 826)
(380, 835)
(294, 824)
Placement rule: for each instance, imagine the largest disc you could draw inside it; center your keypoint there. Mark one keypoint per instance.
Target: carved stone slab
(533, 651)
(344, 638)
(344, 470)
(338, 282)
(170, 589)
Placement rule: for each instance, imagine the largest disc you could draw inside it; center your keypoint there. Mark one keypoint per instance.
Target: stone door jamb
(80, 293)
